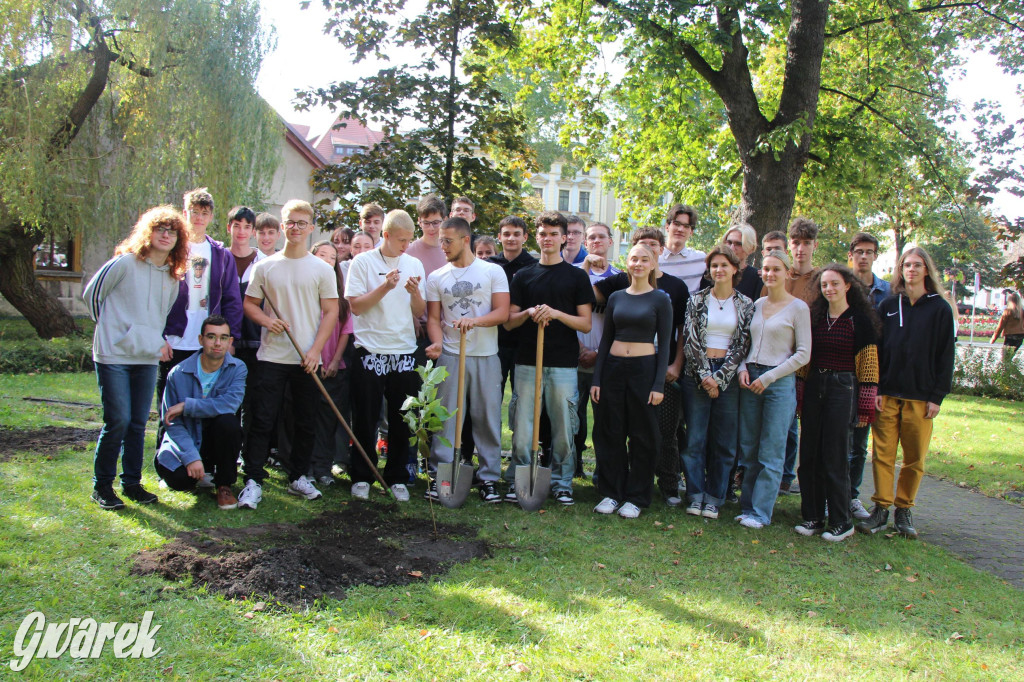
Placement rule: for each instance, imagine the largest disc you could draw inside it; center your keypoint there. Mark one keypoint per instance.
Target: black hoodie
(915, 354)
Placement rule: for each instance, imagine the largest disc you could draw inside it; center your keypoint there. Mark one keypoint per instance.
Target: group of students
(232, 337)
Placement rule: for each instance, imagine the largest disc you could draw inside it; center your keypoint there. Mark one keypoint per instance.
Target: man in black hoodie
(915, 367)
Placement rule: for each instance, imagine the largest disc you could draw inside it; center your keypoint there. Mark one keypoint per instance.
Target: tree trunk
(19, 286)
(769, 191)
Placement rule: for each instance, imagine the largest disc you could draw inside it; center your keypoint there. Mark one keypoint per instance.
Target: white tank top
(721, 322)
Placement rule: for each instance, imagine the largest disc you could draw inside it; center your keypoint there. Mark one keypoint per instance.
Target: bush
(986, 371)
(72, 354)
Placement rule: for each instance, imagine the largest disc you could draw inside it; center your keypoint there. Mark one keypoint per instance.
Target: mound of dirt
(299, 563)
(44, 442)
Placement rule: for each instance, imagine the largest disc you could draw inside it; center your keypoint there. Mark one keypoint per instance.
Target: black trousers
(626, 434)
(161, 382)
(828, 414)
(222, 438)
(248, 356)
(267, 400)
(330, 434)
(376, 377)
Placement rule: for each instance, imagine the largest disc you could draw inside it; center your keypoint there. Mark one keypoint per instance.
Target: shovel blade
(453, 483)
(531, 498)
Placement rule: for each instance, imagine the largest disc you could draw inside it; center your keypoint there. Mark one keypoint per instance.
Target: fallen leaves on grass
(415, 574)
(519, 667)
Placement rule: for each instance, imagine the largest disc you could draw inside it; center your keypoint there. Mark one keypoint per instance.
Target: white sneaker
(206, 481)
(751, 522)
(303, 487)
(325, 480)
(400, 492)
(673, 501)
(606, 506)
(629, 511)
(251, 495)
(361, 491)
(858, 511)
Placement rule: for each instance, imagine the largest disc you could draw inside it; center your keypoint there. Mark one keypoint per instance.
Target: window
(56, 254)
(563, 200)
(584, 202)
(339, 150)
(539, 193)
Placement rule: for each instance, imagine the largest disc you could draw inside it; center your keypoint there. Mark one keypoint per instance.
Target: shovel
(455, 478)
(533, 482)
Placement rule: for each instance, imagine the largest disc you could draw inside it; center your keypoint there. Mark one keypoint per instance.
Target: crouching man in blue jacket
(203, 435)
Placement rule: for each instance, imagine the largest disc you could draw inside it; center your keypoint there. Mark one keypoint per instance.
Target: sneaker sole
(246, 505)
(566, 503)
(709, 516)
(226, 507)
(809, 533)
(108, 507)
(827, 537)
(871, 531)
(693, 512)
(310, 496)
(904, 534)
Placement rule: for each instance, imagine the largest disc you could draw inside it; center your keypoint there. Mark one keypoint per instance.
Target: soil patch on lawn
(299, 563)
(43, 442)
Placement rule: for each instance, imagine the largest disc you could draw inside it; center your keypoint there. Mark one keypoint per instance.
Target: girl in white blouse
(780, 343)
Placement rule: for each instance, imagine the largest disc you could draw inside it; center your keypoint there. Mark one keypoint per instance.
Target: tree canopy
(447, 129)
(110, 106)
(768, 107)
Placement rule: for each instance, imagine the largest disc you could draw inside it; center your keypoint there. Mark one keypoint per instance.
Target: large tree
(110, 106)
(446, 128)
(730, 102)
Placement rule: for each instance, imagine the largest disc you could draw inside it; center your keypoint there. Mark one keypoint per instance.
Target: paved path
(985, 532)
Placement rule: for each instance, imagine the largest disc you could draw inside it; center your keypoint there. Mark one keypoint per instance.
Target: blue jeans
(126, 392)
(764, 423)
(792, 448)
(560, 398)
(710, 440)
(858, 456)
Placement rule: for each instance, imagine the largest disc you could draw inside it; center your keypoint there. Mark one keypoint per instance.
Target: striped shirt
(688, 265)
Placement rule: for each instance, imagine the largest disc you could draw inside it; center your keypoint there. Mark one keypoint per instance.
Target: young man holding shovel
(557, 295)
(468, 296)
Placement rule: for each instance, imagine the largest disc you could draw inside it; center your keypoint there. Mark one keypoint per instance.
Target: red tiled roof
(353, 134)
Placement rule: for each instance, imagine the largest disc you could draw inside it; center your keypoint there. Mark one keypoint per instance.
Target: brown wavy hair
(727, 253)
(856, 297)
(140, 240)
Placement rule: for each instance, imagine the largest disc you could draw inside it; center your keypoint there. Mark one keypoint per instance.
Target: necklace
(721, 304)
(386, 264)
(831, 321)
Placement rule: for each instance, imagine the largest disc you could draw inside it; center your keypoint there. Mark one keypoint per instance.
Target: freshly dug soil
(43, 442)
(299, 563)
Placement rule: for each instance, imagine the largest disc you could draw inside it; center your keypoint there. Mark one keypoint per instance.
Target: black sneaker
(136, 493)
(838, 533)
(564, 497)
(431, 492)
(904, 523)
(810, 528)
(489, 493)
(107, 499)
(878, 520)
(510, 496)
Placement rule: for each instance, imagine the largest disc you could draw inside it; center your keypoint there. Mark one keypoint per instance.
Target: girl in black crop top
(629, 373)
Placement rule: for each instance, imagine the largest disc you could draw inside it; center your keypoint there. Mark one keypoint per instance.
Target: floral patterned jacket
(695, 332)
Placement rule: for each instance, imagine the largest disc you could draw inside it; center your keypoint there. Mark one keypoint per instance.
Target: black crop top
(638, 318)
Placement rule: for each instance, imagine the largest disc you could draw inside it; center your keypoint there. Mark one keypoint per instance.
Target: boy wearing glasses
(198, 408)
(863, 252)
(677, 259)
(427, 249)
(305, 291)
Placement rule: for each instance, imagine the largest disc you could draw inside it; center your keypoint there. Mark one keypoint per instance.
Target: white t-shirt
(197, 280)
(296, 286)
(386, 328)
(466, 292)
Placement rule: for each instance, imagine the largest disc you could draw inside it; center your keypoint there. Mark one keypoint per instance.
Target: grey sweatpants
(483, 392)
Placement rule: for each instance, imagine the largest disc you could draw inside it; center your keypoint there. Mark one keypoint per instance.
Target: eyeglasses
(164, 229)
(676, 223)
(575, 233)
(214, 337)
(914, 266)
(447, 241)
(733, 243)
(301, 224)
(862, 252)
(430, 223)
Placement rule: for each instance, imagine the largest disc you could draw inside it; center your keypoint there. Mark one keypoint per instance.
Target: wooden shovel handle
(460, 400)
(537, 382)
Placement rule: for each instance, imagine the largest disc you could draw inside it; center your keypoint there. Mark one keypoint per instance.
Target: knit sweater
(847, 344)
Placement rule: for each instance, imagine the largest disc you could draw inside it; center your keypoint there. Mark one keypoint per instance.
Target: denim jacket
(184, 436)
(695, 331)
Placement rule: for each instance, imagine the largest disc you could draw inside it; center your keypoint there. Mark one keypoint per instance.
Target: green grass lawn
(978, 441)
(565, 595)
